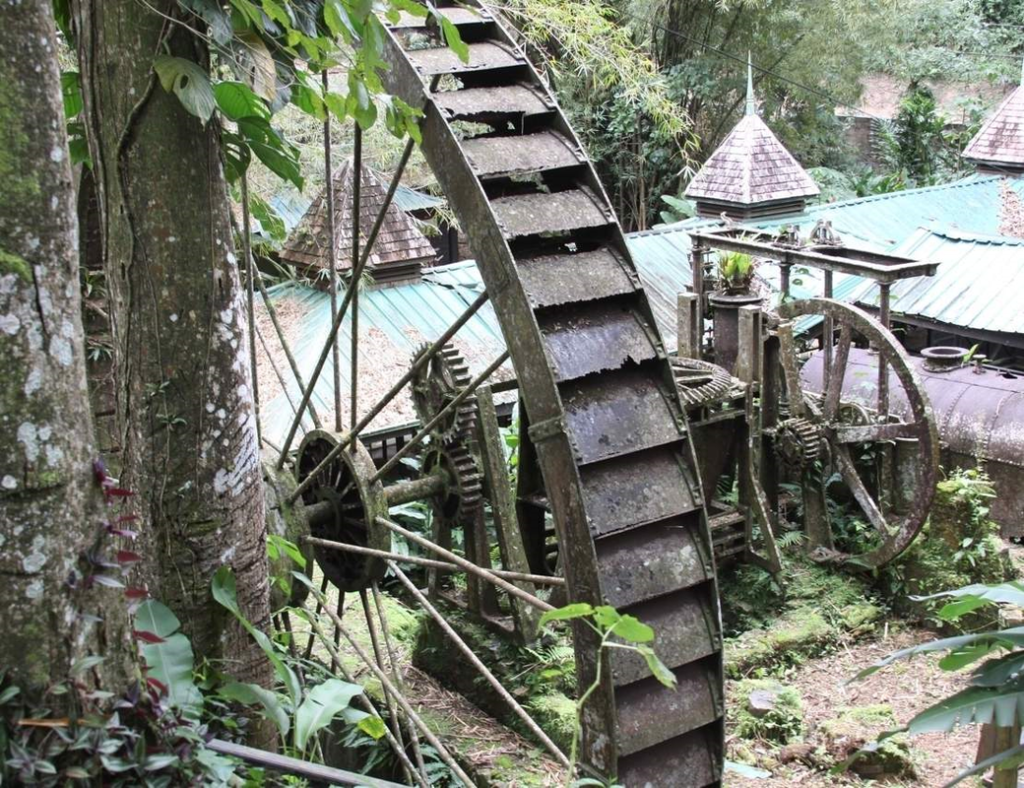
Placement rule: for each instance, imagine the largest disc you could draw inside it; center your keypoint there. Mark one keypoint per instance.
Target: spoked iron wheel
(897, 499)
(606, 420)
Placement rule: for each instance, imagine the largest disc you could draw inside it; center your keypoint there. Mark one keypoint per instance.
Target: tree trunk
(186, 420)
(50, 503)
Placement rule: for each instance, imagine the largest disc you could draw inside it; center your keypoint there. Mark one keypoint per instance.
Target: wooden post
(687, 322)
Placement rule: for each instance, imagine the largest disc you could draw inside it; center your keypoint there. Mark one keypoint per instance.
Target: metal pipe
(382, 677)
(383, 403)
(357, 187)
(474, 660)
(332, 252)
(469, 566)
(506, 574)
(356, 273)
(425, 430)
(415, 489)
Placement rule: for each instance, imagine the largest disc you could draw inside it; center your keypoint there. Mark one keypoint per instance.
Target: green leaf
(452, 37)
(8, 694)
(170, 661)
(255, 695)
(338, 21)
(159, 761)
(322, 704)
(218, 22)
(85, 663)
(1013, 755)
(996, 672)
(575, 610)
(635, 631)
(189, 82)
(658, 669)
(1001, 705)
(223, 590)
(271, 148)
(237, 155)
(71, 91)
(236, 100)
(309, 101)
(606, 617)
(965, 656)
(372, 727)
(1005, 637)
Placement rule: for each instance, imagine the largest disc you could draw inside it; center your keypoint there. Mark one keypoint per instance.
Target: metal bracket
(549, 428)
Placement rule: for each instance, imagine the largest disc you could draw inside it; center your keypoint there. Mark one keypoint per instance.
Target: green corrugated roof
(414, 200)
(979, 284)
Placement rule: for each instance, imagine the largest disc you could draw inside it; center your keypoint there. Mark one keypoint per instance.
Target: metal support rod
(357, 186)
(382, 677)
(277, 369)
(784, 271)
(250, 266)
(469, 566)
(272, 311)
(319, 607)
(396, 676)
(505, 574)
(391, 394)
(362, 699)
(396, 727)
(447, 409)
(332, 252)
(474, 660)
(883, 371)
(826, 333)
(356, 273)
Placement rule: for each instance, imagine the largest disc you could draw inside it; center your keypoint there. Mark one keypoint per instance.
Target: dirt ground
(908, 687)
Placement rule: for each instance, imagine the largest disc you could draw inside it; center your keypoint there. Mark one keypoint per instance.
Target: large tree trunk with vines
(188, 435)
(51, 509)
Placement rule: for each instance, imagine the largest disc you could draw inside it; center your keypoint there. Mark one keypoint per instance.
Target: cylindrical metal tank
(980, 416)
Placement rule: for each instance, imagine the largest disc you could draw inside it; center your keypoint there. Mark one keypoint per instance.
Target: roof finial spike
(751, 106)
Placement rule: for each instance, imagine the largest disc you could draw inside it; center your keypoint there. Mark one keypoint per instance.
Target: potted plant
(735, 272)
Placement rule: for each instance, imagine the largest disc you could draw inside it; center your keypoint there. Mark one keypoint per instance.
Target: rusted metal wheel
(913, 444)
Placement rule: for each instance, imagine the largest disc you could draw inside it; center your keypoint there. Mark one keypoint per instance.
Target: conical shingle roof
(751, 166)
(1000, 141)
(399, 241)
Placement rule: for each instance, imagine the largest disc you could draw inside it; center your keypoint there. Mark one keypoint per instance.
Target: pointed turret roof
(399, 241)
(751, 167)
(999, 144)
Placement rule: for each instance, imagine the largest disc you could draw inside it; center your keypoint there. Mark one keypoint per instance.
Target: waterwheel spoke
(332, 251)
(834, 388)
(848, 470)
(469, 566)
(407, 708)
(480, 667)
(362, 699)
(788, 354)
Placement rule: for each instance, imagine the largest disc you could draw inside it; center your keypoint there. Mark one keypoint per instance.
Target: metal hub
(343, 506)
(797, 443)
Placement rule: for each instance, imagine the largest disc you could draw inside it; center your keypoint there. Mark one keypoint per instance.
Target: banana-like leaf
(169, 659)
(274, 705)
(1001, 705)
(1004, 637)
(323, 703)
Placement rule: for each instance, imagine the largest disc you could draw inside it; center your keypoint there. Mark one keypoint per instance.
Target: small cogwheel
(700, 382)
(436, 384)
(797, 443)
(463, 495)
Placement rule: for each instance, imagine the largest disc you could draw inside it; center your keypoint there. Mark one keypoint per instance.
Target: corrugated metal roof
(979, 285)
(393, 323)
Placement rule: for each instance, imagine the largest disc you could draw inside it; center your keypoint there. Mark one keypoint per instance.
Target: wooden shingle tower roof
(999, 144)
(751, 174)
(399, 253)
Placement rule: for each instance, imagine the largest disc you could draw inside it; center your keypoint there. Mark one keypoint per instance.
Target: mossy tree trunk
(51, 507)
(184, 396)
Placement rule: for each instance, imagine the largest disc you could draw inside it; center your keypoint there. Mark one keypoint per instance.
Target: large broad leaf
(223, 589)
(1004, 637)
(567, 613)
(973, 597)
(236, 100)
(218, 22)
(71, 90)
(271, 148)
(190, 83)
(255, 695)
(170, 660)
(324, 702)
(1002, 705)
(997, 672)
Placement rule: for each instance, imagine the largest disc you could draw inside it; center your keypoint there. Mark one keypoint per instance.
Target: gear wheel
(463, 495)
(439, 382)
(700, 382)
(797, 443)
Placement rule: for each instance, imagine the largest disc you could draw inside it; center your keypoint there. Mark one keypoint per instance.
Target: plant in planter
(736, 272)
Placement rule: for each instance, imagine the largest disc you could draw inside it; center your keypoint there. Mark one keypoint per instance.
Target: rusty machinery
(621, 448)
